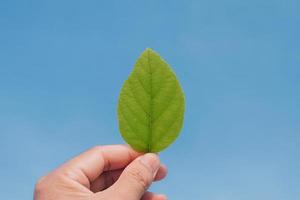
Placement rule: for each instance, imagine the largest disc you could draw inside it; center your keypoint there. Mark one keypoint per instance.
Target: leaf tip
(148, 49)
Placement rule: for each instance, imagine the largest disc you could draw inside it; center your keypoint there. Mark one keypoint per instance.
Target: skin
(113, 172)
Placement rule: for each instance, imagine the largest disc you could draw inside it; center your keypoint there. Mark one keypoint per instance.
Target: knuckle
(140, 177)
(67, 174)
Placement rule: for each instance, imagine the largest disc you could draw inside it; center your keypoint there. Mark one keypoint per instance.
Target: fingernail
(151, 161)
(162, 196)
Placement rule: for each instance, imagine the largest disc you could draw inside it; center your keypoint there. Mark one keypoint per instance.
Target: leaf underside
(151, 105)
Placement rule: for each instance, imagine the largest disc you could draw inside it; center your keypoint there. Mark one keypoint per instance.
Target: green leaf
(151, 105)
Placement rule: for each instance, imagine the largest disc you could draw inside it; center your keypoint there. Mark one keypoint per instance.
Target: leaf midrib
(151, 105)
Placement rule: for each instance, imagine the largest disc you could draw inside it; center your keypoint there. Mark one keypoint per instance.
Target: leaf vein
(166, 108)
(134, 113)
(129, 125)
(140, 82)
(136, 100)
(168, 128)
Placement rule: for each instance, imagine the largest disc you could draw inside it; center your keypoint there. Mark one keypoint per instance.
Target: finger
(105, 180)
(161, 173)
(153, 196)
(86, 167)
(136, 177)
(108, 178)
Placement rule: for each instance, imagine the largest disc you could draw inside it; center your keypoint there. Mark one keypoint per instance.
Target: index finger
(100, 158)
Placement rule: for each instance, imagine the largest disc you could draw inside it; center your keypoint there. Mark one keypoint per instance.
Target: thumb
(137, 177)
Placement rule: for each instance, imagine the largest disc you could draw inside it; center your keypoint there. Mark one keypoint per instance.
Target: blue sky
(62, 64)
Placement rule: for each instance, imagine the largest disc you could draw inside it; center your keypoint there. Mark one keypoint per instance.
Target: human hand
(113, 172)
